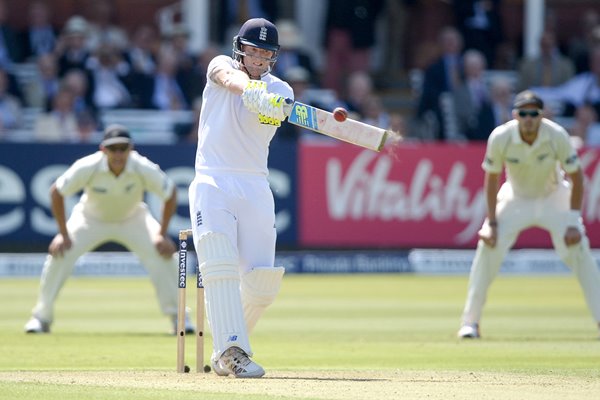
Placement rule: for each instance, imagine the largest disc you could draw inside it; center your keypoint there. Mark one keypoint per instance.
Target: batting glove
(252, 94)
(257, 99)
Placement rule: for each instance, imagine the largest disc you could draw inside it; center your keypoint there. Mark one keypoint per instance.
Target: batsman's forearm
(233, 80)
(169, 209)
(576, 190)
(58, 210)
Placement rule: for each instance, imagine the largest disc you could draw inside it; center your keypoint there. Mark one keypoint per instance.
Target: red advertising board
(414, 195)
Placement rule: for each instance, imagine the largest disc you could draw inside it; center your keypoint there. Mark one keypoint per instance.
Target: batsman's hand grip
(288, 105)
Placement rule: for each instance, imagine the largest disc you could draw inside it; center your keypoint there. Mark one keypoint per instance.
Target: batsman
(536, 154)
(231, 205)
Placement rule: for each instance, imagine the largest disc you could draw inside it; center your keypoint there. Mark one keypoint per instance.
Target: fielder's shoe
(35, 325)
(236, 362)
(189, 327)
(469, 331)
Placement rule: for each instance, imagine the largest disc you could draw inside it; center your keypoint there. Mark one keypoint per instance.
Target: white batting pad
(218, 261)
(259, 289)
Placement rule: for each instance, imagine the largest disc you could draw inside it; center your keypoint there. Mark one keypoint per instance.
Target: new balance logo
(198, 218)
(232, 338)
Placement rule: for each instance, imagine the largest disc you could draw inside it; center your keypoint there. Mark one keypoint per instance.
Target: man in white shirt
(534, 151)
(231, 204)
(111, 208)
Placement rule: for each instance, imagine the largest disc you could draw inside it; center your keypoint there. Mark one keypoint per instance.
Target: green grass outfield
(326, 337)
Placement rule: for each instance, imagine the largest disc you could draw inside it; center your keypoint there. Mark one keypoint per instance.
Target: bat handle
(287, 106)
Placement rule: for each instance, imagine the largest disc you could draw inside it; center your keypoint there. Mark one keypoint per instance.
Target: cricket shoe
(35, 325)
(236, 362)
(189, 327)
(469, 331)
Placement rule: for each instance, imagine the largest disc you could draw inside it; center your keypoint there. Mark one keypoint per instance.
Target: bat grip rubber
(287, 106)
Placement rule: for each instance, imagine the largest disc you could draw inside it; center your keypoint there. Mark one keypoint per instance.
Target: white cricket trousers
(135, 233)
(515, 214)
(233, 220)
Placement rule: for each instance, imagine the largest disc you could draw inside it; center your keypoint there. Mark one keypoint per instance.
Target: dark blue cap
(259, 32)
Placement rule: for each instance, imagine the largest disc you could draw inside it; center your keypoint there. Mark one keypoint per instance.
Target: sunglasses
(121, 148)
(529, 113)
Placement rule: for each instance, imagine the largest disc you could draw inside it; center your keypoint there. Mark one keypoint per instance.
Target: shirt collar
(104, 163)
(541, 137)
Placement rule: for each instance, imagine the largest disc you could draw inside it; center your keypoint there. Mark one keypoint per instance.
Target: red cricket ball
(340, 114)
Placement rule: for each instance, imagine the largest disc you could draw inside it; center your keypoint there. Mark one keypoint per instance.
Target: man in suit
(39, 38)
(472, 105)
(443, 75)
(10, 50)
(550, 68)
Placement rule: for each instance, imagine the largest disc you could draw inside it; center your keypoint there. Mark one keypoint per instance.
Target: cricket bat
(323, 122)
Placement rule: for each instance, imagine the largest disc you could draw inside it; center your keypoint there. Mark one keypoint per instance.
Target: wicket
(181, 367)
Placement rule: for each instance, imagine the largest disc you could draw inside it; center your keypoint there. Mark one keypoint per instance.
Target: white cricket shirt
(111, 198)
(532, 171)
(231, 138)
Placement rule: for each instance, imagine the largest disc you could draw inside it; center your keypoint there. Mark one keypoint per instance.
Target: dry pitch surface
(334, 385)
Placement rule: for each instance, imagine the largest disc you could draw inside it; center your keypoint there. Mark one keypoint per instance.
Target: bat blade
(323, 122)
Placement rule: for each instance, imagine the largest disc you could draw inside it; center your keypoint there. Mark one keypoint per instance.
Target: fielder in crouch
(111, 208)
(231, 205)
(535, 152)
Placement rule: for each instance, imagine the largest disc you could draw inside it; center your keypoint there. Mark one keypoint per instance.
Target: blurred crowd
(460, 88)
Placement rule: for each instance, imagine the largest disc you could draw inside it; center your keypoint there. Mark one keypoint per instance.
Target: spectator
(177, 40)
(501, 97)
(233, 13)
(60, 123)
(580, 45)
(141, 54)
(77, 82)
(10, 50)
(398, 124)
(88, 128)
(582, 89)
(40, 90)
(10, 106)
(291, 53)
(443, 75)
(480, 24)
(472, 105)
(208, 53)
(167, 94)
(39, 38)
(189, 76)
(188, 132)
(349, 38)
(141, 57)
(586, 128)
(374, 112)
(358, 89)
(550, 68)
(102, 30)
(70, 48)
(109, 79)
